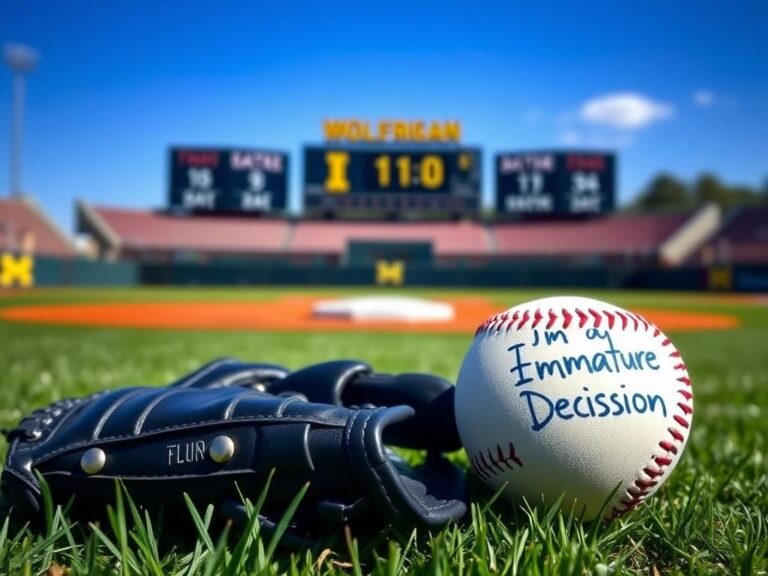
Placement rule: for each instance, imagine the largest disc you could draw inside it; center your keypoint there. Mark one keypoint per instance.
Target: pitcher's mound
(390, 308)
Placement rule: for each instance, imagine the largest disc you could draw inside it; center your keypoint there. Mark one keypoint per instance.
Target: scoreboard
(555, 183)
(386, 179)
(227, 180)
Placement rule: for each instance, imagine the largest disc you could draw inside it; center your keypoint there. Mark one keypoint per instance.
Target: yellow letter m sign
(390, 272)
(720, 278)
(16, 270)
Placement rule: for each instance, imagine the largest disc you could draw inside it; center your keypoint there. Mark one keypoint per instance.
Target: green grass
(710, 517)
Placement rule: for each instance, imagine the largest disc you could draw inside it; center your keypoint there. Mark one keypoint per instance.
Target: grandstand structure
(26, 229)
(742, 239)
(146, 236)
(675, 250)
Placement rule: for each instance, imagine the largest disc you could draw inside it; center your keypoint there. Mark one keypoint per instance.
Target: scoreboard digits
(555, 183)
(389, 179)
(228, 180)
(197, 177)
(430, 172)
(394, 179)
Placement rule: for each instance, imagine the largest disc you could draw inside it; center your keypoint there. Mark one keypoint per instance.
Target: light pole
(21, 60)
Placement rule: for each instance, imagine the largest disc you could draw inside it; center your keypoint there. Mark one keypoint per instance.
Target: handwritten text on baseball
(543, 408)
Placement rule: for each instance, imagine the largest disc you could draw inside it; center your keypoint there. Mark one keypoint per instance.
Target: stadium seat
(25, 228)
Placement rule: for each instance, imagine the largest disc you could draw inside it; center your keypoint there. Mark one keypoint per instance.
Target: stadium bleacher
(24, 227)
(743, 239)
(138, 234)
(141, 234)
(449, 239)
(617, 236)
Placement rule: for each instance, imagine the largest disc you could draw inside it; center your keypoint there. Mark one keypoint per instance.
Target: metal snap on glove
(217, 434)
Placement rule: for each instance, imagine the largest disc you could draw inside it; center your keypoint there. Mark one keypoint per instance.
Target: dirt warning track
(294, 314)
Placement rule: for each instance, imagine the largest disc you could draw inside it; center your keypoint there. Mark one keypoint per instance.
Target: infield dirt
(294, 313)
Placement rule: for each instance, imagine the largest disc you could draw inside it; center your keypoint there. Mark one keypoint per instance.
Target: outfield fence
(24, 271)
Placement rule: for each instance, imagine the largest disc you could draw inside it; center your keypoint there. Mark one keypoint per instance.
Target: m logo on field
(392, 273)
(16, 270)
(720, 278)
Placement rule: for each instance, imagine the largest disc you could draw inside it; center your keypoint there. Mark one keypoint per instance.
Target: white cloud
(624, 111)
(703, 98)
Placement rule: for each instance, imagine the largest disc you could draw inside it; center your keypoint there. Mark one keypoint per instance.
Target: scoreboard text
(228, 180)
(392, 179)
(555, 183)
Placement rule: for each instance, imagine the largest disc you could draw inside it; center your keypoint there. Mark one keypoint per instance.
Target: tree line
(667, 192)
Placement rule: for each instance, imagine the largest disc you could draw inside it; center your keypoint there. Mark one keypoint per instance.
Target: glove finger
(351, 383)
(230, 372)
(405, 496)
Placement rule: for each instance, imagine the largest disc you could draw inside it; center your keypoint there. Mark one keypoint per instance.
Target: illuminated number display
(228, 180)
(409, 178)
(555, 183)
(429, 173)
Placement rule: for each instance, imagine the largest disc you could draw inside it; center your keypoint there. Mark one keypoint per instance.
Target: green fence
(79, 272)
(47, 271)
(501, 276)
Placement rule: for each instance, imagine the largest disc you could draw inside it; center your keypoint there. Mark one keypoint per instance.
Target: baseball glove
(219, 432)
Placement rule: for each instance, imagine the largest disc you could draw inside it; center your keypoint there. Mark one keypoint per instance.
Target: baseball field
(710, 517)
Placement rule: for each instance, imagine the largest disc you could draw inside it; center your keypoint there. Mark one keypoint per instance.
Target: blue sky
(678, 86)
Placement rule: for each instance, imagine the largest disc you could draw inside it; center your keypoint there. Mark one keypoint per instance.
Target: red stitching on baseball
(645, 484)
(668, 446)
(635, 492)
(481, 466)
(675, 433)
(487, 464)
(662, 461)
(685, 408)
(485, 467)
(552, 319)
(477, 467)
(653, 472)
(680, 420)
(495, 463)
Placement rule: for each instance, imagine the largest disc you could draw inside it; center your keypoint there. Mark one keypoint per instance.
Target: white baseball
(573, 396)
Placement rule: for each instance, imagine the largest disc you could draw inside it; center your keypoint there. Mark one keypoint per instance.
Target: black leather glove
(220, 431)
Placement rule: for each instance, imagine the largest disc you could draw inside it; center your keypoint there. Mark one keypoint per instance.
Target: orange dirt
(294, 313)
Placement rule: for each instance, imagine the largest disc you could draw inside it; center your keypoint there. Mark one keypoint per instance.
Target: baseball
(573, 396)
